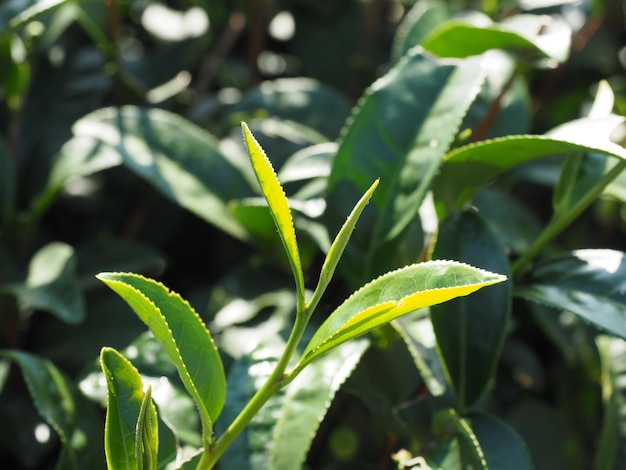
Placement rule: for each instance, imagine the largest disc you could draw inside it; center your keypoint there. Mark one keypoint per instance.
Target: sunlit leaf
(471, 167)
(185, 338)
(399, 133)
(278, 205)
(420, 20)
(125, 397)
(393, 295)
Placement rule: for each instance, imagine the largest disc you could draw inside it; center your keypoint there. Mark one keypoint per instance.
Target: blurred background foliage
(293, 69)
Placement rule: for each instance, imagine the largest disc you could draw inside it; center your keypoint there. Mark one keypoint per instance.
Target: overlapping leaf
(470, 330)
(185, 338)
(400, 131)
(469, 168)
(51, 284)
(179, 159)
(393, 295)
(125, 397)
(588, 283)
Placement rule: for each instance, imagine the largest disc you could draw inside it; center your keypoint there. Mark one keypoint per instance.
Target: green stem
(560, 222)
(277, 380)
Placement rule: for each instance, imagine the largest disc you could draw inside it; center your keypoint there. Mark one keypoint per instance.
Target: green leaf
(180, 160)
(469, 168)
(421, 19)
(588, 283)
(448, 424)
(393, 295)
(338, 246)
(419, 336)
(51, 284)
(542, 35)
(502, 446)
(300, 100)
(147, 434)
(124, 404)
(306, 402)
(280, 435)
(54, 397)
(470, 330)
(278, 205)
(611, 450)
(185, 338)
(403, 126)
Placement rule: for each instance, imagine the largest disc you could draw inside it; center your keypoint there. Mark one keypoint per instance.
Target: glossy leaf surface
(588, 283)
(393, 295)
(469, 168)
(51, 284)
(543, 36)
(470, 330)
(277, 202)
(400, 131)
(125, 397)
(180, 160)
(185, 338)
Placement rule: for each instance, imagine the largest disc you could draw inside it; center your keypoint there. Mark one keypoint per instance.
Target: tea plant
(491, 138)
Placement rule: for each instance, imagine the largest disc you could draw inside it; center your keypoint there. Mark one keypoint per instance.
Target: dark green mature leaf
(502, 446)
(588, 283)
(421, 19)
(466, 452)
(470, 331)
(60, 404)
(51, 284)
(542, 35)
(611, 452)
(280, 435)
(180, 160)
(395, 294)
(399, 133)
(471, 167)
(125, 397)
(187, 341)
(302, 100)
(418, 334)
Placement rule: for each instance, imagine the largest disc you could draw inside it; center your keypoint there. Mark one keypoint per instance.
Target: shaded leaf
(185, 338)
(147, 434)
(14, 14)
(393, 295)
(470, 330)
(418, 334)
(421, 19)
(51, 284)
(467, 453)
(399, 132)
(588, 283)
(7, 186)
(302, 100)
(503, 447)
(611, 451)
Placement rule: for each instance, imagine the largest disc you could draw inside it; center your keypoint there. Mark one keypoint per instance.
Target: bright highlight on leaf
(393, 295)
(183, 335)
(277, 201)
